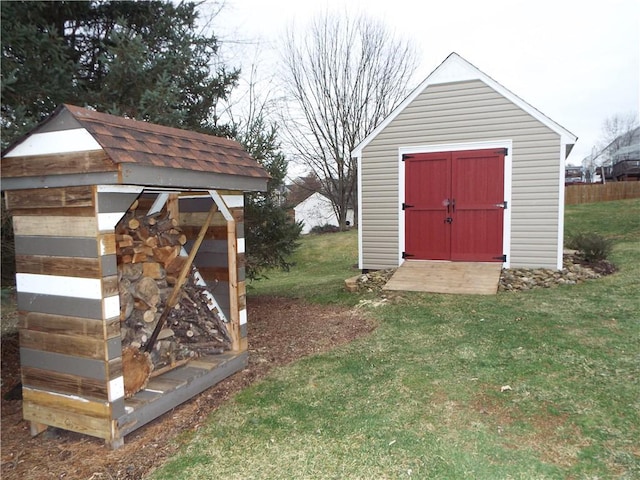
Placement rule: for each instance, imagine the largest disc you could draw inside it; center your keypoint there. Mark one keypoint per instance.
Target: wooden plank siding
(67, 184)
(463, 112)
(57, 164)
(67, 289)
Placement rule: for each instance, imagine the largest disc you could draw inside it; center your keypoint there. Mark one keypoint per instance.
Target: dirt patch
(553, 437)
(280, 331)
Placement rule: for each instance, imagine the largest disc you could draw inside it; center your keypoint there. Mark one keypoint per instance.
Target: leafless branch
(341, 79)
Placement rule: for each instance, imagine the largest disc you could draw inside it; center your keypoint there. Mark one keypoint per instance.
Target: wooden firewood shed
(87, 192)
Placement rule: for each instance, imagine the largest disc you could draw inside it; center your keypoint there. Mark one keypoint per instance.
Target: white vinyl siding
(468, 111)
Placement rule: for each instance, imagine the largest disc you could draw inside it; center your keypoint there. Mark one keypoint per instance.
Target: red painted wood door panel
(453, 205)
(428, 183)
(477, 190)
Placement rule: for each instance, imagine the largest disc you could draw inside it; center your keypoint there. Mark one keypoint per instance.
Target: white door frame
(453, 147)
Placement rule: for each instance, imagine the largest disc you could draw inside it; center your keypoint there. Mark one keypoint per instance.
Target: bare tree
(617, 131)
(342, 77)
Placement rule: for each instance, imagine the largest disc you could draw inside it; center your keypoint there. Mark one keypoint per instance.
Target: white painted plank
(90, 288)
(222, 206)
(116, 389)
(63, 141)
(111, 307)
(119, 189)
(158, 203)
(213, 303)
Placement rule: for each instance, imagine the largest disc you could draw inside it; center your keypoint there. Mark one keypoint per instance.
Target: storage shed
(462, 170)
(317, 211)
(68, 185)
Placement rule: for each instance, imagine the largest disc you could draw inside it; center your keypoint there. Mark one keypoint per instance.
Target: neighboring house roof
(630, 152)
(456, 69)
(630, 149)
(133, 144)
(620, 148)
(313, 196)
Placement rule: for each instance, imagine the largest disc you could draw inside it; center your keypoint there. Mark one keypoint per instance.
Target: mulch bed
(280, 331)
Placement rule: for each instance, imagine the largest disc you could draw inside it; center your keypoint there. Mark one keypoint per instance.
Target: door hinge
(407, 255)
(406, 157)
(503, 151)
(502, 205)
(503, 258)
(406, 205)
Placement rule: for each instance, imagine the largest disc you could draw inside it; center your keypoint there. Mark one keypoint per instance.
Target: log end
(136, 369)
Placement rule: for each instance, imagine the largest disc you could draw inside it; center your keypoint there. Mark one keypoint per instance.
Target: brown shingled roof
(132, 141)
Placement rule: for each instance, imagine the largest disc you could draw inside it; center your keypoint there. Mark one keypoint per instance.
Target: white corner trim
(559, 259)
(360, 226)
(111, 306)
(116, 389)
(62, 141)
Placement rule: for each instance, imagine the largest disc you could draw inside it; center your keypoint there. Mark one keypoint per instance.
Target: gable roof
(131, 144)
(456, 69)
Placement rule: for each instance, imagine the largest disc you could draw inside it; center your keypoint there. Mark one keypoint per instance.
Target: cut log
(149, 316)
(153, 270)
(133, 223)
(147, 290)
(139, 258)
(165, 333)
(151, 241)
(136, 368)
(166, 224)
(172, 300)
(166, 253)
(126, 299)
(124, 240)
(176, 265)
(131, 272)
(161, 302)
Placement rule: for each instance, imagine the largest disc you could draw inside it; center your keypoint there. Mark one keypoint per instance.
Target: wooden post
(172, 206)
(232, 250)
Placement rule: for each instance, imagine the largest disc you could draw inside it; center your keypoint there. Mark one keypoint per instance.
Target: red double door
(454, 205)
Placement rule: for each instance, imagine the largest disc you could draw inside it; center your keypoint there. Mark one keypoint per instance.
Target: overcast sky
(577, 61)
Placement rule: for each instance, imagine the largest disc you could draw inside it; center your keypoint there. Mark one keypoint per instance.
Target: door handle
(453, 205)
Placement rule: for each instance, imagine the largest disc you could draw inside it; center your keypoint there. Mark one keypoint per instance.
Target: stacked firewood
(149, 262)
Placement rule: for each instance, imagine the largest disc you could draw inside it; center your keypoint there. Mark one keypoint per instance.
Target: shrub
(326, 228)
(8, 249)
(593, 246)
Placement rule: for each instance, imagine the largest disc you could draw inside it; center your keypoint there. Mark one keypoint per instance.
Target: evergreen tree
(271, 235)
(143, 60)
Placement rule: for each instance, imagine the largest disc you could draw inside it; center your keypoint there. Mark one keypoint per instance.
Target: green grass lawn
(542, 384)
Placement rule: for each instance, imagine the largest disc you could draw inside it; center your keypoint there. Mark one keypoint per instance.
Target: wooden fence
(598, 192)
